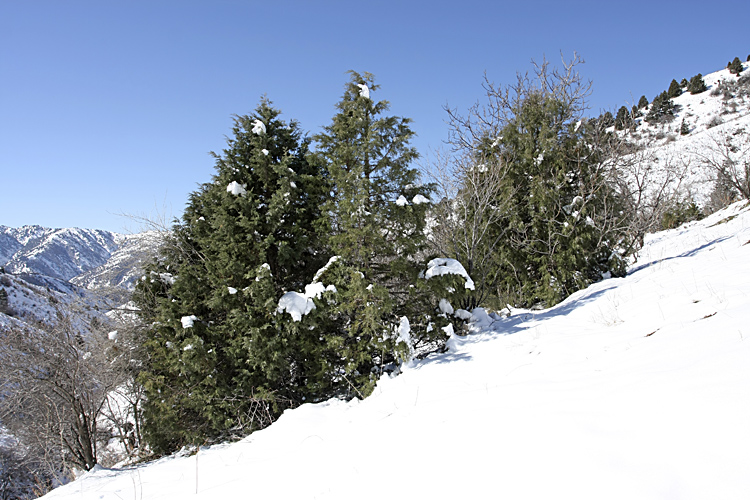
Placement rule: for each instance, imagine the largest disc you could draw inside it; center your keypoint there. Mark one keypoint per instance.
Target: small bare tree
(648, 187)
(55, 379)
(727, 154)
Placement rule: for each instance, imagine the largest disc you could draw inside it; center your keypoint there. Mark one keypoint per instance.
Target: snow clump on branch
(441, 266)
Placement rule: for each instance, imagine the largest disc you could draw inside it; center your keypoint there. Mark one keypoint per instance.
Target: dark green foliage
(642, 102)
(684, 128)
(683, 83)
(697, 85)
(662, 109)
(735, 67)
(623, 119)
(226, 264)
(674, 89)
(607, 120)
(377, 233)
(4, 307)
(556, 239)
(681, 213)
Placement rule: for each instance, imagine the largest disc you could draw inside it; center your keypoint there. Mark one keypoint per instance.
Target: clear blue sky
(111, 107)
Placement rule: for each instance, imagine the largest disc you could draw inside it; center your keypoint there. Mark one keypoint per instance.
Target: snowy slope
(62, 253)
(29, 303)
(89, 258)
(124, 265)
(710, 117)
(636, 387)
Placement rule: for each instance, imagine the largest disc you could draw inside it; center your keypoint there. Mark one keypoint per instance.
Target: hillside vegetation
(318, 269)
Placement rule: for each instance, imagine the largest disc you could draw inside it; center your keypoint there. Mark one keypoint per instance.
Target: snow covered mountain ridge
(90, 258)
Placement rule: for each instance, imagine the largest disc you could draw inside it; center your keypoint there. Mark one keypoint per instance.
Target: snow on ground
(711, 117)
(637, 387)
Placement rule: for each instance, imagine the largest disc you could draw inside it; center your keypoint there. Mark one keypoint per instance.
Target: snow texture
(445, 307)
(442, 266)
(236, 188)
(402, 201)
(364, 91)
(635, 387)
(419, 199)
(301, 304)
(259, 128)
(188, 321)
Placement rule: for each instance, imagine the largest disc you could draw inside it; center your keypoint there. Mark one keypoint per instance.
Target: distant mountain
(68, 260)
(90, 258)
(59, 253)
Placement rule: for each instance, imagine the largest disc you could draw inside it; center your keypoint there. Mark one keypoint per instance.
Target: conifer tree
(674, 89)
(623, 118)
(377, 215)
(684, 128)
(662, 109)
(735, 67)
(556, 221)
(696, 85)
(559, 237)
(635, 112)
(642, 102)
(217, 362)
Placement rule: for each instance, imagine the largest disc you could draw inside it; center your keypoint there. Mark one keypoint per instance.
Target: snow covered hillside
(90, 258)
(681, 152)
(637, 387)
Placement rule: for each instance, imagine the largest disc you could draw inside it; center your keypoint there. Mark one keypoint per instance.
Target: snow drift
(637, 387)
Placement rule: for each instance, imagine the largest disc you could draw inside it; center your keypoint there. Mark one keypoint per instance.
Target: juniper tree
(662, 109)
(696, 85)
(642, 102)
(674, 89)
(735, 67)
(607, 120)
(377, 212)
(558, 226)
(218, 363)
(684, 128)
(623, 119)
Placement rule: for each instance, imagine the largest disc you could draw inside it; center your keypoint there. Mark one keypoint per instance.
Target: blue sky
(110, 108)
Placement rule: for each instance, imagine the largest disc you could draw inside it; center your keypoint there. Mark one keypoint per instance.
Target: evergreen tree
(662, 109)
(642, 102)
(683, 83)
(217, 360)
(623, 118)
(377, 215)
(684, 128)
(674, 89)
(607, 120)
(697, 85)
(735, 67)
(558, 227)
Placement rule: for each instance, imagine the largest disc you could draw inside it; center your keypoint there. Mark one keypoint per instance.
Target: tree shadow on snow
(689, 253)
